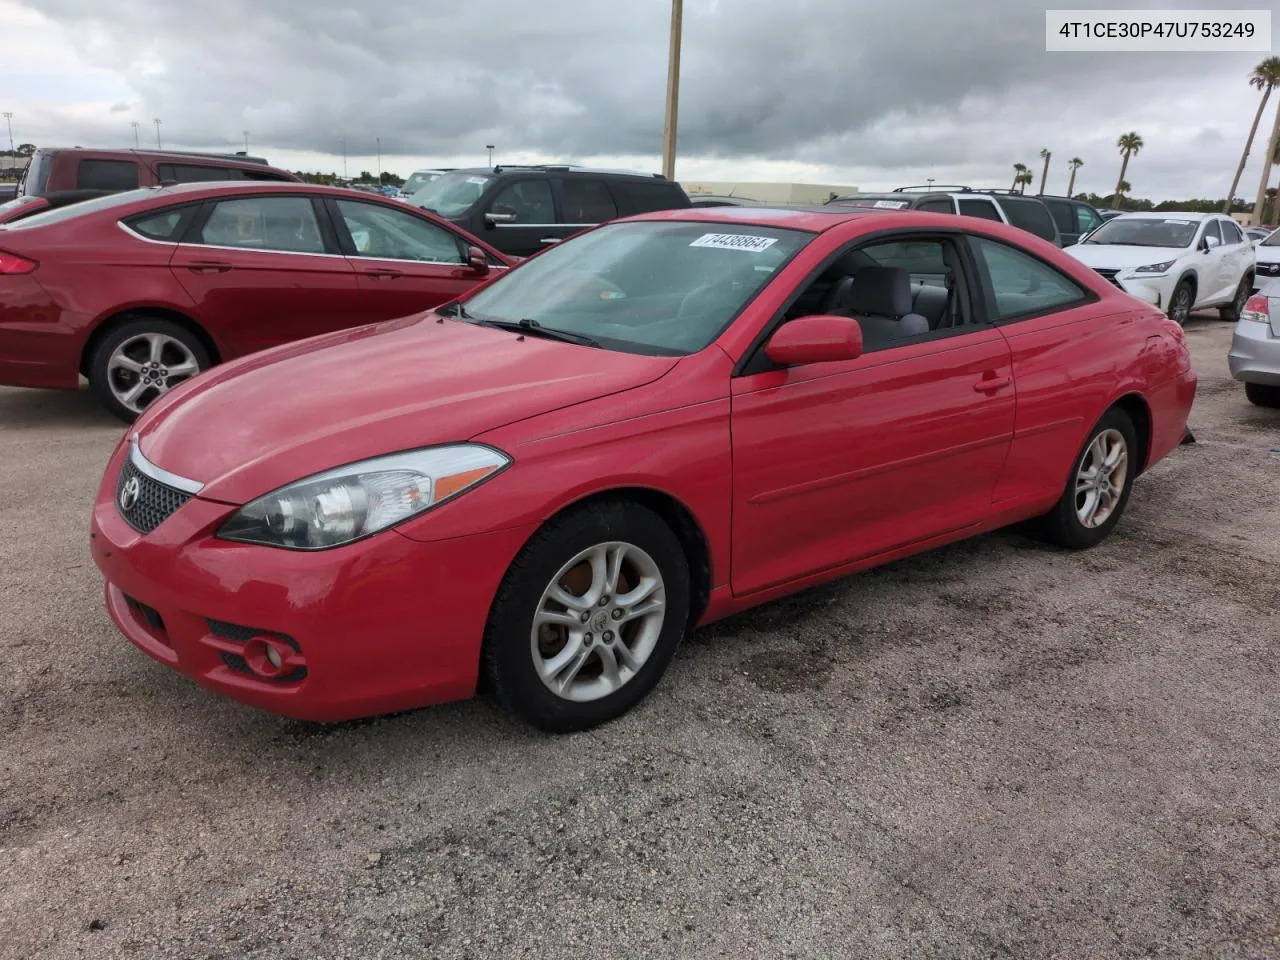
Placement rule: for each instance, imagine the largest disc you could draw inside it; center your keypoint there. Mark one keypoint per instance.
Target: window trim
(988, 293)
(753, 360)
(347, 247)
(197, 224)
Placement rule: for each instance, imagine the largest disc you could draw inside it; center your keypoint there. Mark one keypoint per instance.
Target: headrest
(882, 291)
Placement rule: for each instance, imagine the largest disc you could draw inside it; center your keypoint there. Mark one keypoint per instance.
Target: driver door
(530, 204)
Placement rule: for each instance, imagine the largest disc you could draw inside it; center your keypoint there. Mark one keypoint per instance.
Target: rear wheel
(140, 361)
(1098, 490)
(1181, 302)
(1262, 394)
(588, 617)
(1231, 312)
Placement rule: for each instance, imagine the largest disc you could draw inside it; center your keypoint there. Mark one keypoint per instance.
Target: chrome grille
(153, 503)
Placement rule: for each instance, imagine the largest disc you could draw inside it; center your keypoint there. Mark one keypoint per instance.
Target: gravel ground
(993, 750)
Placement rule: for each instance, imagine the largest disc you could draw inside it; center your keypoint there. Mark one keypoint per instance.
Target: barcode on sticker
(734, 241)
(891, 204)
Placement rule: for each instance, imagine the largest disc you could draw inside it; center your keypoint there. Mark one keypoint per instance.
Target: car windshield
(655, 287)
(1146, 232)
(419, 179)
(73, 210)
(451, 194)
(1272, 241)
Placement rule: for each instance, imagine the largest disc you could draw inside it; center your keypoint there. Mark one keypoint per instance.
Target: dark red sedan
(659, 422)
(141, 290)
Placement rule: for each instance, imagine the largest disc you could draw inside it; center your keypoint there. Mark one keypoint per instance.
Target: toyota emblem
(129, 494)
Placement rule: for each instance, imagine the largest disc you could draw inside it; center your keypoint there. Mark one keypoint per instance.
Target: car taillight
(12, 263)
(1256, 308)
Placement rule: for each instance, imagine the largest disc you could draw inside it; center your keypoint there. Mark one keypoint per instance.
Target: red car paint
(793, 476)
(90, 272)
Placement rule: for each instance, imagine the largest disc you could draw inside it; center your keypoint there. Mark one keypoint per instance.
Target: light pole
(378, 141)
(487, 146)
(8, 122)
(156, 121)
(929, 181)
(246, 142)
(344, 158)
(137, 144)
(673, 92)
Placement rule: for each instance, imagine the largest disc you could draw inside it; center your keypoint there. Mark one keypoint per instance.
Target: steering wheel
(697, 300)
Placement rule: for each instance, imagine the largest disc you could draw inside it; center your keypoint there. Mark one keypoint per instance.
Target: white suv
(1267, 252)
(1178, 261)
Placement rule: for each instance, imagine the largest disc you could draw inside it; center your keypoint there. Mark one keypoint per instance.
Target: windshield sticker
(479, 180)
(734, 241)
(891, 204)
(1181, 223)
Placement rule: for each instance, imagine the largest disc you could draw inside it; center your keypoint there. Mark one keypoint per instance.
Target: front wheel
(1098, 490)
(588, 617)
(1262, 394)
(1181, 302)
(1231, 312)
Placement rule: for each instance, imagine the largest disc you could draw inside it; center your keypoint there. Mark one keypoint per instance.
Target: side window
(1086, 219)
(1212, 232)
(1063, 214)
(285, 224)
(194, 173)
(166, 226)
(587, 201)
(979, 208)
(107, 175)
(1231, 234)
(1029, 215)
(389, 234)
(1024, 286)
(940, 205)
(641, 196)
(529, 200)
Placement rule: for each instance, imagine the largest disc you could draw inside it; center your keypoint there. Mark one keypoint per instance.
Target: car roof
(813, 219)
(1172, 215)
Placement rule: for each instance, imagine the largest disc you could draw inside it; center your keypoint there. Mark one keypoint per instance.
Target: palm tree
(1265, 77)
(1273, 145)
(1025, 177)
(1129, 144)
(1044, 155)
(1075, 163)
(1018, 170)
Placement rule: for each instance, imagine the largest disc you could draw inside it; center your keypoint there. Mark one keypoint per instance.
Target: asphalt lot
(994, 750)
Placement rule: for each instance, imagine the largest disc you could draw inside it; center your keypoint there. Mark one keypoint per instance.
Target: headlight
(1156, 267)
(347, 503)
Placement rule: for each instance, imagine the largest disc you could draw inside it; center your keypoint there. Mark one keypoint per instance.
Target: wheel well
(1138, 411)
(1189, 277)
(146, 313)
(686, 529)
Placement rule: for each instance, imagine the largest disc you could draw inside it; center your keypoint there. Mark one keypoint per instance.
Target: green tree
(1024, 178)
(1265, 77)
(26, 149)
(1045, 155)
(1018, 170)
(1075, 163)
(1129, 144)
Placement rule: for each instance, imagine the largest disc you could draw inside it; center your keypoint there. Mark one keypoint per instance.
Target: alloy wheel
(1180, 309)
(598, 621)
(1101, 478)
(147, 366)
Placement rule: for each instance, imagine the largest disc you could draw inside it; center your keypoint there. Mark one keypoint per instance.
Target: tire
(515, 650)
(1185, 290)
(1065, 524)
(1263, 394)
(1231, 312)
(138, 344)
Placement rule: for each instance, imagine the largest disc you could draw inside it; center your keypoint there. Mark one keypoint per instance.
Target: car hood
(1121, 257)
(250, 426)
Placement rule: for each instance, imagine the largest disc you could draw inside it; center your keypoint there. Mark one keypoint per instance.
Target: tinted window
(195, 173)
(1063, 214)
(164, 225)
(979, 208)
(652, 287)
(1029, 215)
(378, 231)
(587, 201)
(1024, 285)
(286, 224)
(1086, 218)
(940, 205)
(529, 200)
(107, 175)
(642, 196)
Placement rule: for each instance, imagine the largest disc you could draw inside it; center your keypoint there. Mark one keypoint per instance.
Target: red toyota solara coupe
(545, 483)
(139, 291)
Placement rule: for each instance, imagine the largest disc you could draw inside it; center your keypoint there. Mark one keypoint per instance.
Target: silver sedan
(1255, 349)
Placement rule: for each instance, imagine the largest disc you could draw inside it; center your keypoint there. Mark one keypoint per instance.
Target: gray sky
(873, 94)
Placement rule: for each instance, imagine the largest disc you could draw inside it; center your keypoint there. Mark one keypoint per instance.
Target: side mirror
(491, 219)
(817, 339)
(1211, 243)
(477, 261)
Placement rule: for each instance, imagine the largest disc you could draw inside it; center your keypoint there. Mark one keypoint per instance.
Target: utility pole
(673, 92)
(487, 146)
(246, 142)
(137, 144)
(8, 122)
(378, 141)
(344, 158)
(156, 121)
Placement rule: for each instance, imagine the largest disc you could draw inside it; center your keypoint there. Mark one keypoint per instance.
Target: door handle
(383, 274)
(208, 266)
(992, 384)
(549, 240)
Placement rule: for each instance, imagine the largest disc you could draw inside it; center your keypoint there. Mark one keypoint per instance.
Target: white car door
(1240, 251)
(1215, 268)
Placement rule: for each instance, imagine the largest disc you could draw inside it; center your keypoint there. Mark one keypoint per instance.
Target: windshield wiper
(533, 326)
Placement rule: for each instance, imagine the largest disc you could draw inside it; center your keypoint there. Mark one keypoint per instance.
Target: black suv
(1002, 206)
(521, 210)
(1074, 217)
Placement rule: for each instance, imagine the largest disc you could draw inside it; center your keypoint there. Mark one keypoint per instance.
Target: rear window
(975, 207)
(1029, 215)
(642, 196)
(84, 207)
(107, 175)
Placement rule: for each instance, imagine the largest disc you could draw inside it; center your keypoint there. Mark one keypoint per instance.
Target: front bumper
(1255, 353)
(1148, 291)
(382, 625)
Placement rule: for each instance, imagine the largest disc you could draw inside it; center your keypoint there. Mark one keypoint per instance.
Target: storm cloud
(873, 93)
